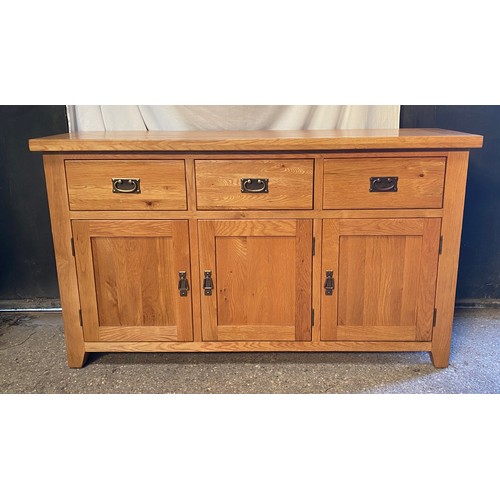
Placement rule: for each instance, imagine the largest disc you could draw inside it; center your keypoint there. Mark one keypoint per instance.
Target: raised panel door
(261, 277)
(384, 279)
(128, 273)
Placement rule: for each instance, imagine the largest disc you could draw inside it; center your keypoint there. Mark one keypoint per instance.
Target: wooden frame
(314, 222)
(55, 180)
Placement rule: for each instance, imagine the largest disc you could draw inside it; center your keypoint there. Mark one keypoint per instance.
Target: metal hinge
(434, 317)
(81, 318)
(440, 244)
(314, 246)
(312, 317)
(73, 246)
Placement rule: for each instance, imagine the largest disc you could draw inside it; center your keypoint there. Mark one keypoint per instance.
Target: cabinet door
(261, 274)
(128, 277)
(384, 275)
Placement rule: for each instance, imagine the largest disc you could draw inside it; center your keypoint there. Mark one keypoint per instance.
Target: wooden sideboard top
(258, 140)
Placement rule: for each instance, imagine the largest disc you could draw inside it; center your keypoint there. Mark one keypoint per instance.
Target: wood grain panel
(255, 140)
(190, 184)
(131, 228)
(130, 277)
(347, 183)
(162, 184)
(218, 184)
(86, 280)
(330, 262)
(382, 272)
(412, 267)
(371, 332)
(238, 155)
(257, 346)
(135, 333)
(181, 262)
(267, 227)
(317, 280)
(262, 274)
(256, 214)
(303, 279)
(128, 283)
(381, 227)
(351, 280)
(206, 244)
(108, 269)
(250, 270)
(427, 285)
(195, 282)
(264, 332)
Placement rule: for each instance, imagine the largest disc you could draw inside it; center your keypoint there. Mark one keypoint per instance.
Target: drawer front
(126, 184)
(254, 184)
(383, 183)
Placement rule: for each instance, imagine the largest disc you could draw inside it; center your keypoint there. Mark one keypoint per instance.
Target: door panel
(261, 272)
(385, 272)
(245, 281)
(128, 276)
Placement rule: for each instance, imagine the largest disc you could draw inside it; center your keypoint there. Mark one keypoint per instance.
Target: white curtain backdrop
(102, 118)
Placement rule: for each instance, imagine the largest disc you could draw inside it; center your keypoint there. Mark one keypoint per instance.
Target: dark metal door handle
(329, 283)
(183, 285)
(208, 284)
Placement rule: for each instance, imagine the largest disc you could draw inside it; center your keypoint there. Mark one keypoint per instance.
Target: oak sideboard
(325, 240)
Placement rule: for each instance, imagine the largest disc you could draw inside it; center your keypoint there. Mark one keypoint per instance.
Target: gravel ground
(33, 360)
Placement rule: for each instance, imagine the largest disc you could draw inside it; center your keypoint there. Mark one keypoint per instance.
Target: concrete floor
(33, 360)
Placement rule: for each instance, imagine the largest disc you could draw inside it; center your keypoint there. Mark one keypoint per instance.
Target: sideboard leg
(77, 360)
(440, 358)
(451, 229)
(65, 261)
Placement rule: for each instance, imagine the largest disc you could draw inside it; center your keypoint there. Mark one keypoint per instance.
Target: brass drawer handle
(383, 184)
(126, 185)
(254, 185)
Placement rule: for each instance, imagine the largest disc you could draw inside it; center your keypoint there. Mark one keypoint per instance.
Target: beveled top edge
(257, 140)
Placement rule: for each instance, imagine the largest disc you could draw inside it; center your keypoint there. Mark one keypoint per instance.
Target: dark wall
(479, 267)
(27, 266)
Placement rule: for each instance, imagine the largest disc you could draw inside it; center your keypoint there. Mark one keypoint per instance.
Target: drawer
(384, 183)
(154, 184)
(268, 184)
